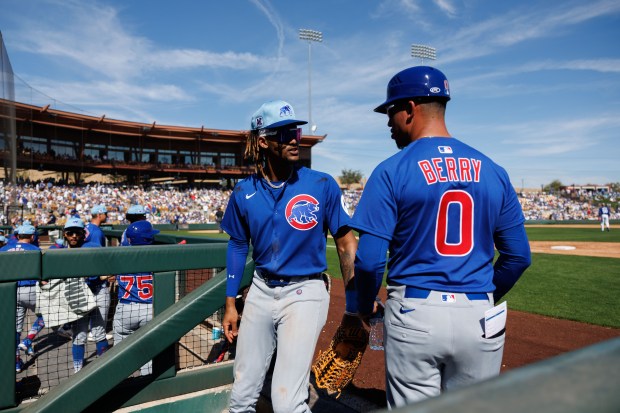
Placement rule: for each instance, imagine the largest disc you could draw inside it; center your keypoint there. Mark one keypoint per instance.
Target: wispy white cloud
(503, 81)
(557, 136)
(192, 58)
(517, 26)
(117, 99)
(100, 41)
(447, 7)
(274, 18)
(596, 65)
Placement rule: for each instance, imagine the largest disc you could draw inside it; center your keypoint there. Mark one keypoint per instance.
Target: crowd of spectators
(543, 206)
(51, 202)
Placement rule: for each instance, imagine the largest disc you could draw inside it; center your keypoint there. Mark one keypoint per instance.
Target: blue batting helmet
(417, 81)
(141, 233)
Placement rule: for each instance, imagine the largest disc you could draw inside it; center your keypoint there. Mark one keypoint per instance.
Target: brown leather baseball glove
(335, 367)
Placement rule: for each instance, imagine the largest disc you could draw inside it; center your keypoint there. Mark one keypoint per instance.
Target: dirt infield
(530, 338)
(591, 249)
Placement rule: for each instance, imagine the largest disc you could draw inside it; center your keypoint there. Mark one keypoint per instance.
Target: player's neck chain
(280, 185)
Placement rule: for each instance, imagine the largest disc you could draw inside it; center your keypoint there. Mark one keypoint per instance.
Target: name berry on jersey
(449, 169)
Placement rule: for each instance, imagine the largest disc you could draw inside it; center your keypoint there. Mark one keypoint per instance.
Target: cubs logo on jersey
(301, 212)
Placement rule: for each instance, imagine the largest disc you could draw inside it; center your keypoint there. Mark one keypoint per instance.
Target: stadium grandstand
(73, 145)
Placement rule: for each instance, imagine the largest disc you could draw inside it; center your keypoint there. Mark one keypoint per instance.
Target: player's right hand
(230, 321)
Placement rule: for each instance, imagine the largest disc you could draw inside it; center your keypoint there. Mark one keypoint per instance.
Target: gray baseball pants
(26, 300)
(128, 318)
(95, 319)
(433, 345)
(289, 319)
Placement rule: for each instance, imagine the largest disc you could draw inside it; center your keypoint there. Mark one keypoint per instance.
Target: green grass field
(585, 289)
(552, 233)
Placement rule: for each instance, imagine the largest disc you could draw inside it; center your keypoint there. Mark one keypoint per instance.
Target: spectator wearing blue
(26, 297)
(75, 234)
(135, 213)
(3, 241)
(93, 231)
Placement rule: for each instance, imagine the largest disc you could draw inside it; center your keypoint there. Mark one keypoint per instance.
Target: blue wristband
(350, 305)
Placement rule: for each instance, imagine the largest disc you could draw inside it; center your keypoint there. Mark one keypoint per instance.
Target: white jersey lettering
(450, 170)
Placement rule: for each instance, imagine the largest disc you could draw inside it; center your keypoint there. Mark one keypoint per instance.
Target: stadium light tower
(310, 36)
(423, 52)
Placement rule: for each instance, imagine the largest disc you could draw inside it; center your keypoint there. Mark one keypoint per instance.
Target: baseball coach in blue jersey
(285, 211)
(444, 206)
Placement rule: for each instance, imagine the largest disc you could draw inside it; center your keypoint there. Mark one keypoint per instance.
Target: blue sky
(535, 85)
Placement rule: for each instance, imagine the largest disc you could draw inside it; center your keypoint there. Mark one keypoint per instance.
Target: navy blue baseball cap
(274, 114)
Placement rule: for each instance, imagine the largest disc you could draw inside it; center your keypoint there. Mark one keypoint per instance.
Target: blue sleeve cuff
(350, 306)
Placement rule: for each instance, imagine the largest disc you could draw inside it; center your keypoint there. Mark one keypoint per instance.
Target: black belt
(274, 280)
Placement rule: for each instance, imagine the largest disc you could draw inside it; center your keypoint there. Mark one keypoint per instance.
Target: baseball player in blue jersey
(134, 213)
(75, 235)
(285, 211)
(93, 232)
(100, 286)
(443, 207)
(35, 237)
(603, 216)
(135, 291)
(26, 297)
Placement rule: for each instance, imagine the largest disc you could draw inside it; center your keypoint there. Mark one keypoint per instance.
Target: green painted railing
(99, 385)
(581, 381)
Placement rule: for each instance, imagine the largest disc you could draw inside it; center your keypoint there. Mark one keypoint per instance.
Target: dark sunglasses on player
(74, 233)
(282, 135)
(396, 107)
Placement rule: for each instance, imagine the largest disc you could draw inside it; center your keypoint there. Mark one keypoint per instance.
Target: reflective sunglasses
(71, 233)
(282, 135)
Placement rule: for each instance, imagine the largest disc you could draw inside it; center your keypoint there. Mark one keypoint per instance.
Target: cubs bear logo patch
(301, 212)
